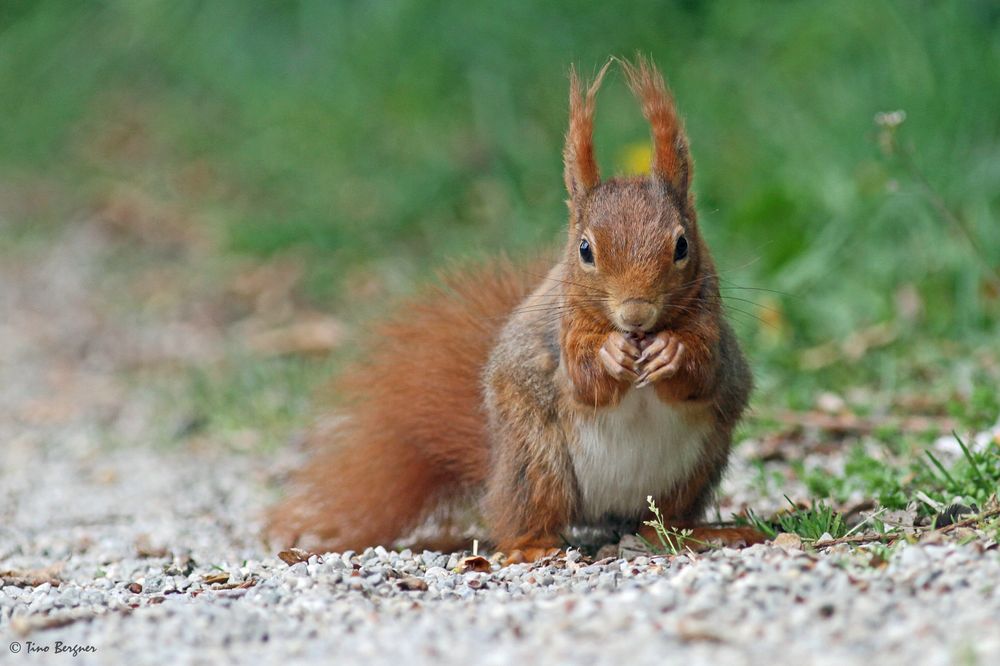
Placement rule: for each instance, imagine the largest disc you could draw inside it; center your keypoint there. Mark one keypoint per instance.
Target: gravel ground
(130, 552)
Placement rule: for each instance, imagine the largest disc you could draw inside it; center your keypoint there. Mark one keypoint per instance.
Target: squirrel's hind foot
(705, 538)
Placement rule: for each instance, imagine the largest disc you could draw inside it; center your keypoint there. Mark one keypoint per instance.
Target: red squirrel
(551, 399)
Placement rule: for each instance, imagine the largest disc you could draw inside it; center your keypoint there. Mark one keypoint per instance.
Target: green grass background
(391, 137)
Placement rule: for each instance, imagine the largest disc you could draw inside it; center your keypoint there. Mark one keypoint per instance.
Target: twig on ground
(889, 538)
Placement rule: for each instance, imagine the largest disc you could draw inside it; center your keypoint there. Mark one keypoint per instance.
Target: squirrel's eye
(681, 249)
(585, 252)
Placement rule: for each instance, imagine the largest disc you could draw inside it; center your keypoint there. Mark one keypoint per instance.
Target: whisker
(730, 308)
(541, 307)
(570, 282)
(759, 305)
(695, 281)
(773, 291)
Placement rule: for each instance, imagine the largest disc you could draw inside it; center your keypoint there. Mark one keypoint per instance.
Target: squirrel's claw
(619, 357)
(662, 359)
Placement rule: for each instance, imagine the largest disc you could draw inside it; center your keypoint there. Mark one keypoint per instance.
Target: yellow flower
(635, 158)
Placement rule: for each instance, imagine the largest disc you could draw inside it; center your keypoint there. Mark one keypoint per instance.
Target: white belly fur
(641, 447)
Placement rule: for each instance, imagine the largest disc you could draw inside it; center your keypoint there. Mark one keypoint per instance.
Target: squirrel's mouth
(638, 331)
(636, 316)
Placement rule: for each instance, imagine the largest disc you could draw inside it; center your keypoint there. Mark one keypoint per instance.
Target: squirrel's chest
(641, 447)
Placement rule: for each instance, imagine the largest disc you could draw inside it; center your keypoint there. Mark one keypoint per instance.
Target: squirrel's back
(414, 422)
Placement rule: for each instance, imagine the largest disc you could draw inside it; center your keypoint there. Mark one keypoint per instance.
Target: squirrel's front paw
(661, 359)
(620, 357)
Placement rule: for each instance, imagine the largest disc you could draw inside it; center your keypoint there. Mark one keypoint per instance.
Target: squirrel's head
(634, 254)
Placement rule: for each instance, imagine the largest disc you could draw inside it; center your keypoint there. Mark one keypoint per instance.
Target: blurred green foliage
(392, 136)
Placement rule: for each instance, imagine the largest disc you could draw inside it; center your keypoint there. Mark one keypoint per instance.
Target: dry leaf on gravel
(22, 626)
(248, 583)
(294, 556)
(216, 578)
(32, 577)
(474, 563)
(788, 541)
(412, 583)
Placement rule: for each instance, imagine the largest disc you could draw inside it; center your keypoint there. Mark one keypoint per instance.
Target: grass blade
(972, 462)
(937, 463)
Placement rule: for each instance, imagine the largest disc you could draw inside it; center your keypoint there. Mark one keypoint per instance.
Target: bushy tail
(414, 432)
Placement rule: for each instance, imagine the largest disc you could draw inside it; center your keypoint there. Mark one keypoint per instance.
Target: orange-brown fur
(484, 386)
(414, 432)
(670, 148)
(579, 148)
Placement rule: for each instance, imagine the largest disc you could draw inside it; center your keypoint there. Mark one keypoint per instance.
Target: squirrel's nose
(636, 313)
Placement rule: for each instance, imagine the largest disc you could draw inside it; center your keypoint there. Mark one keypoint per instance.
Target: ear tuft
(671, 161)
(579, 165)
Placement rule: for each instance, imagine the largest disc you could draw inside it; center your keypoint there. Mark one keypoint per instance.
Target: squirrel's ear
(671, 161)
(579, 166)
